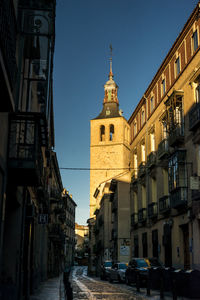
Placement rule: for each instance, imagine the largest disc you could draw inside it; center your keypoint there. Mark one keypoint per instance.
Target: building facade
(81, 247)
(160, 151)
(165, 157)
(109, 143)
(32, 236)
(109, 158)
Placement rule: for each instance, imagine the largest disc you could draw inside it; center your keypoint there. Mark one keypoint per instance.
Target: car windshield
(122, 266)
(108, 264)
(142, 263)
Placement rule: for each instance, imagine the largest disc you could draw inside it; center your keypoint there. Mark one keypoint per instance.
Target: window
(152, 104)
(165, 182)
(102, 133)
(142, 117)
(135, 128)
(135, 164)
(177, 66)
(177, 174)
(153, 190)
(144, 202)
(163, 87)
(143, 152)
(152, 141)
(135, 202)
(175, 114)
(111, 132)
(164, 130)
(197, 92)
(195, 40)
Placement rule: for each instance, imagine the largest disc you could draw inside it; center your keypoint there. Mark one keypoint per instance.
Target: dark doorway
(167, 243)
(155, 242)
(145, 244)
(186, 250)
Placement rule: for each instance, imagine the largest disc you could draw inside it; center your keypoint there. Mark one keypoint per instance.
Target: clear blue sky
(141, 33)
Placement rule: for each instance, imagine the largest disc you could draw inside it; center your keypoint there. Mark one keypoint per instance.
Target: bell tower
(109, 142)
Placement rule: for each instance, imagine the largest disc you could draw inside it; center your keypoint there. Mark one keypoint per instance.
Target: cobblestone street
(85, 287)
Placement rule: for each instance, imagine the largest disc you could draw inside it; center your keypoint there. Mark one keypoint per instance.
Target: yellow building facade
(109, 144)
(165, 157)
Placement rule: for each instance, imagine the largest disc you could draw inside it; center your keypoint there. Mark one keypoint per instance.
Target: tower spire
(111, 73)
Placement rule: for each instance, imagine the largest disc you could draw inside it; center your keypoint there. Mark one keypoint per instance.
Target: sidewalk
(52, 289)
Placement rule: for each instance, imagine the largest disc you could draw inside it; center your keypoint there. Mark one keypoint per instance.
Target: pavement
(52, 289)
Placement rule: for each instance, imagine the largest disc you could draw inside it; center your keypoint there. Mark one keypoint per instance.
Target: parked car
(117, 272)
(105, 268)
(137, 267)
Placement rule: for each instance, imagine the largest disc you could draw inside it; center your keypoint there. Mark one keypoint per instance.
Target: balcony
(142, 215)
(134, 219)
(55, 195)
(55, 231)
(176, 136)
(164, 204)
(178, 197)
(142, 169)
(195, 195)
(163, 149)
(194, 117)
(152, 210)
(151, 159)
(25, 160)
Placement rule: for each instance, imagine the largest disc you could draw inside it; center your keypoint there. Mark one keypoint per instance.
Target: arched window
(111, 132)
(102, 133)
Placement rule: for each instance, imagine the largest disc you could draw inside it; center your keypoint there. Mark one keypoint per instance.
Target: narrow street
(85, 287)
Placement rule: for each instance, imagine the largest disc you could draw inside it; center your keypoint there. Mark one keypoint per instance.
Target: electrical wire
(96, 169)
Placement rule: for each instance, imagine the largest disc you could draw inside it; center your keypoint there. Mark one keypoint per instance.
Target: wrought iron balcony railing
(194, 116)
(164, 204)
(55, 195)
(142, 169)
(163, 148)
(142, 215)
(178, 197)
(25, 160)
(176, 135)
(54, 231)
(134, 219)
(152, 210)
(151, 159)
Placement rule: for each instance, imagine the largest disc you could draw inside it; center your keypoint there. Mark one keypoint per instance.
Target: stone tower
(109, 143)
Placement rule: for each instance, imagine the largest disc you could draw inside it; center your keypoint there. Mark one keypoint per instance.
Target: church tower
(109, 143)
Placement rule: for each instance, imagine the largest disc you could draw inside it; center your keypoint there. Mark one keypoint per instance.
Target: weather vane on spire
(111, 51)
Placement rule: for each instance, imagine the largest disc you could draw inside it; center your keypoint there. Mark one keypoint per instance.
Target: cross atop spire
(111, 73)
